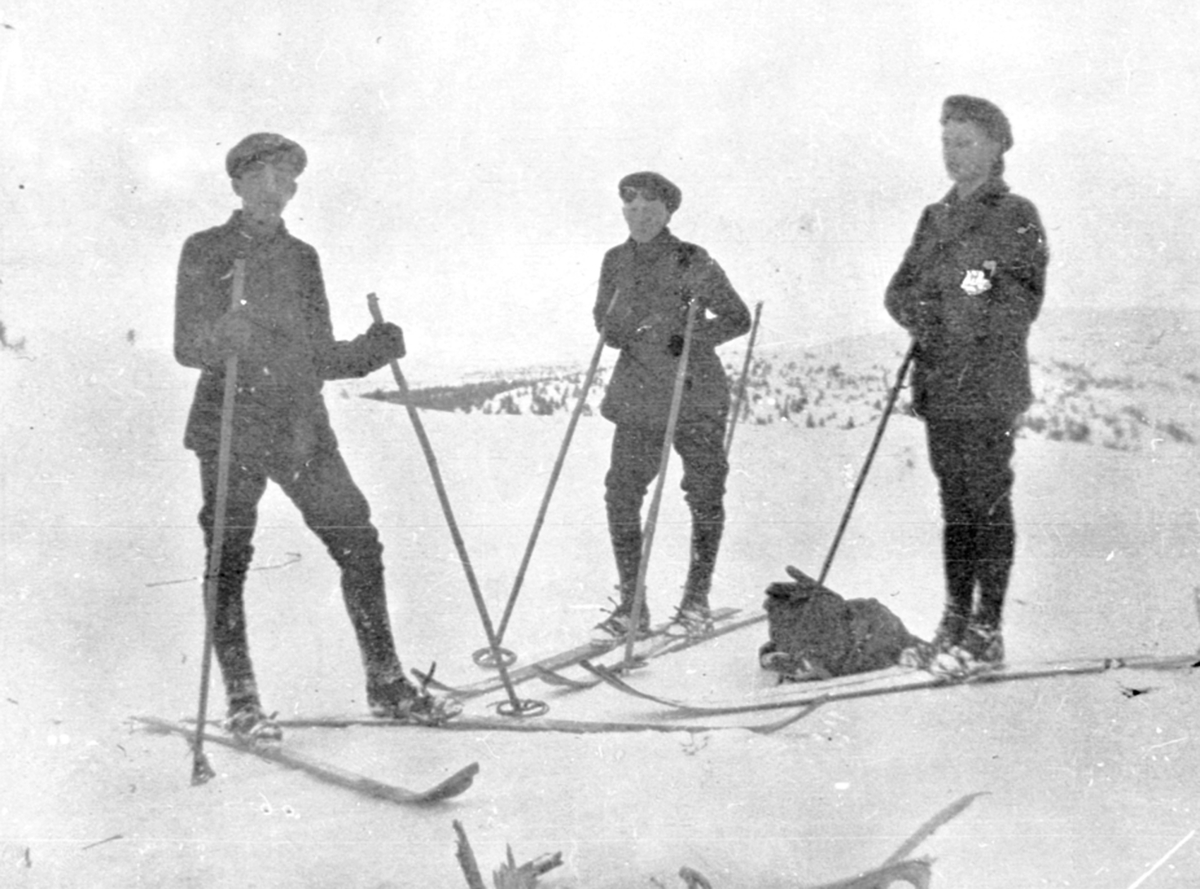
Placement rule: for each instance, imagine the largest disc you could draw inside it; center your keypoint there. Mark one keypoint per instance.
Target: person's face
(645, 218)
(265, 190)
(969, 153)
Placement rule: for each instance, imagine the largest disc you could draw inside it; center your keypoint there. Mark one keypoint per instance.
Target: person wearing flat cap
(250, 290)
(969, 288)
(646, 285)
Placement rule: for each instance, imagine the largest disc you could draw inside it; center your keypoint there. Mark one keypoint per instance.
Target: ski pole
(741, 390)
(201, 770)
(517, 707)
(484, 657)
(862, 473)
(639, 594)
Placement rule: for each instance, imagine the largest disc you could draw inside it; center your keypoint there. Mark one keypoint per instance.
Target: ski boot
(250, 725)
(981, 648)
(398, 699)
(616, 626)
(693, 619)
(941, 655)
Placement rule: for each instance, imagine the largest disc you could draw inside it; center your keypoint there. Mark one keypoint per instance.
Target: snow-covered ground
(1087, 782)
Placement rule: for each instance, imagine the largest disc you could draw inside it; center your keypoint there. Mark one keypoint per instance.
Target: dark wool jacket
(279, 411)
(652, 282)
(971, 358)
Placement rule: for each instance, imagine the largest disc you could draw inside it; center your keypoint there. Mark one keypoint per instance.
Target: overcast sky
(463, 157)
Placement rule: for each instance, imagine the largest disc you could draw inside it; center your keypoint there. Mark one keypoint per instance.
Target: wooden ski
(537, 724)
(571, 657)
(457, 783)
(665, 645)
(898, 679)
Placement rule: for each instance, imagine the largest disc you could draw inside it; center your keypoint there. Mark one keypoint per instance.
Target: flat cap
(264, 148)
(652, 184)
(982, 113)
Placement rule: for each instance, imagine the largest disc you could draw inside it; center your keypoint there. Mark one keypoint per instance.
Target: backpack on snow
(816, 634)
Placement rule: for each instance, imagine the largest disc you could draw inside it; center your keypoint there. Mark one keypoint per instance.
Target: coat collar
(653, 249)
(988, 193)
(235, 225)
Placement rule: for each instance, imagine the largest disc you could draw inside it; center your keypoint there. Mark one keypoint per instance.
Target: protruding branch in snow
(466, 859)
(917, 872)
(510, 875)
(926, 830)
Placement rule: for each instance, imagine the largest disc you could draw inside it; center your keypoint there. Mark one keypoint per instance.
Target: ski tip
(464, 777)
(458, 783)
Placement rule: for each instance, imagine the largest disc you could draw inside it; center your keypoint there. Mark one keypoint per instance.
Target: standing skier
(653, 277)
(283, 341)
(970, 286)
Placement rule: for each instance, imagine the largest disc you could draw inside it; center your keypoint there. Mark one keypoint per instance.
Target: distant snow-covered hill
(1119, 379)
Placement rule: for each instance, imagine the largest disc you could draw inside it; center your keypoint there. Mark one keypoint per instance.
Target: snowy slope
(1087, 783)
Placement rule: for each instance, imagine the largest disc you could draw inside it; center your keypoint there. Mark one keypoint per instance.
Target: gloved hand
(232, 334)
(386, 340)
